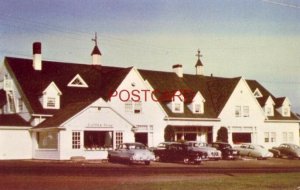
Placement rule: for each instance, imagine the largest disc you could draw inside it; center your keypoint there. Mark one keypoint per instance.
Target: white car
(212, 153)
(254, 150)
(131, 152)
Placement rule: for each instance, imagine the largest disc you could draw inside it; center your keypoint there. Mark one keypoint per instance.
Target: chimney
(37, 56)
(178, 70)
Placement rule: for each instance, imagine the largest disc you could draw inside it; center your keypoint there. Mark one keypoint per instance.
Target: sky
(255, 39)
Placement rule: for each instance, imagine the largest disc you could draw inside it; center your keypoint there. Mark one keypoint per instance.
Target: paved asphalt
(103, 168)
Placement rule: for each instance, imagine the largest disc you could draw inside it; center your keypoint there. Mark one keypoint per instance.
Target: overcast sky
(255, 39)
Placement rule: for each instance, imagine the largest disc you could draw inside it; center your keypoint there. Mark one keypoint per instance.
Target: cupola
(199, 66)
(96, 54)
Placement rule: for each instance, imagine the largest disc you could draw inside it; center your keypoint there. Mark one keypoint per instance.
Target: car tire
(186, 160)
(110, 159)
(157, 158)
(147, 163)
(197, 162)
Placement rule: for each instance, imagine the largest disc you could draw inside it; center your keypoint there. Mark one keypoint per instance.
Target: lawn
(231, 181)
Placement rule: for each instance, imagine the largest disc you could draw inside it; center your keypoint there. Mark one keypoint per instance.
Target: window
(284, 137)
(257, 93)
(20, 104)
(197, 108)
(269, 111)
(237, 111)
(273, 137)
(77, 81)
(51, 97)
(246, 111)
(291, 137)
(47, 140)
(50, 102)
(177, 107)
(75, 140)
(98, 140)
(119, 138)
(128, 106)
(137, 107)
(286, 111)
(131, 107)
(266, 137)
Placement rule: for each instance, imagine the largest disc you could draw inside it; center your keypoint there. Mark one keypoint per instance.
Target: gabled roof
(280, 101)
(216, 91)
(13, 120)
(253, 84)
(63, 115)
(101, 80)
(96, 51)
(199, 63)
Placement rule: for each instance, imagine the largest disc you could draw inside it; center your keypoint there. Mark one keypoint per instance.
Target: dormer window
(197, 108)
(285, 106)
(77, 81)
(177, 107)
(51, 102)
(269, 110)
(177, 103)
(286, 112)
(269, 107)
(197, 104)
(51, 97)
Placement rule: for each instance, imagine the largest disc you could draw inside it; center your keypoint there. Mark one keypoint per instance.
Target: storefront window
(98, 140)
(76, 140)
(47, 140)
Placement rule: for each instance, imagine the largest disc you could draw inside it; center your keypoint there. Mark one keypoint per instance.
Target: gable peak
(77, 81)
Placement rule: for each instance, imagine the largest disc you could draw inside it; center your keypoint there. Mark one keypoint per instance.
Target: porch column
(215, 133)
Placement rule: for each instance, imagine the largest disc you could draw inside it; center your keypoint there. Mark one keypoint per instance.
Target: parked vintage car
(178, 152)
(212, 153)
(131, 152)
(286, 149)
(254, 150)
(228, 153)
(160, 146)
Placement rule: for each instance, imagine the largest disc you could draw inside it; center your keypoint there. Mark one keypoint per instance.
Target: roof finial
(95, 39)
(198, 54)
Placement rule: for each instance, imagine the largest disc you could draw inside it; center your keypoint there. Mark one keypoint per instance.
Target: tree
(169, 133)
(222, 135)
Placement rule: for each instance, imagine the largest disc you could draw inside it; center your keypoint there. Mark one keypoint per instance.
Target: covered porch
(189, 133)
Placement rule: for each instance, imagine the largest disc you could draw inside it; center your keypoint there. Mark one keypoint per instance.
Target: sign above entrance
(99, 125)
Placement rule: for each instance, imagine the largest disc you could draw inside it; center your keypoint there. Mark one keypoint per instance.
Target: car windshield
(295, 146)
(161, 145)
(198, 144)
(135, 146)
(260, 146)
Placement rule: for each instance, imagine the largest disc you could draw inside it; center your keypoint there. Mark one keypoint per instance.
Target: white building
(58, 110)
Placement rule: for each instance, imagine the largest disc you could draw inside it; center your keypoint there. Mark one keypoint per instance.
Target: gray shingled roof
(101, 81)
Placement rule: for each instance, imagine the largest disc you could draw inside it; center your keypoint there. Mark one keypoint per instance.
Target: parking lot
(99, 174)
